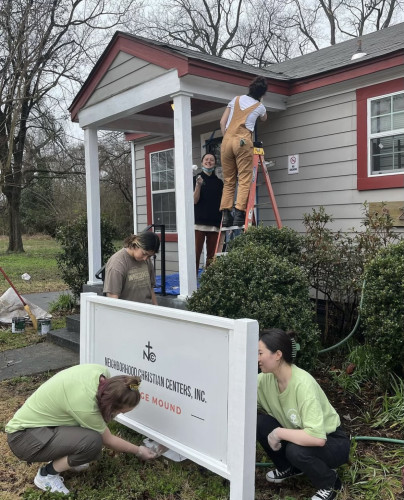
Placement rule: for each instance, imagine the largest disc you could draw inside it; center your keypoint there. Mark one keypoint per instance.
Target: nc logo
(150, 356)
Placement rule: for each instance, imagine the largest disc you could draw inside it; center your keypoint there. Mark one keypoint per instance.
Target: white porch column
(184, 192)
(93, 204)
(134, 200)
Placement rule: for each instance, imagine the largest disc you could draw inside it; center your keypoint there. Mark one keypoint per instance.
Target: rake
(26, 306)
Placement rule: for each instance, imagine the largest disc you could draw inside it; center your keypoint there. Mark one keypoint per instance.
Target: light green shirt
(302, 405)
(66, 399)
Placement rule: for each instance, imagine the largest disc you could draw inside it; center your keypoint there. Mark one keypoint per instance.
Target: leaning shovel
(26, 306)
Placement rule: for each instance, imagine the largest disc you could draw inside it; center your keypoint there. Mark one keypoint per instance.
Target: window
(386, 152)
(160, 186)
(380, 135)
(163, 188)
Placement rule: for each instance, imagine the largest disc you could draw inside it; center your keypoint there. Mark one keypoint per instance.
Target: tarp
(12, 307)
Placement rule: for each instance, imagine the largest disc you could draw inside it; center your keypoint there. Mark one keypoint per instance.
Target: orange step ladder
(258, 162)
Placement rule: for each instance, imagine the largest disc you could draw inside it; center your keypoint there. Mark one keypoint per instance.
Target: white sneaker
(50, 483)
(80, 468)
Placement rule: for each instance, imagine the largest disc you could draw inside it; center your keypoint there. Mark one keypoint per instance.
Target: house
(334, 136)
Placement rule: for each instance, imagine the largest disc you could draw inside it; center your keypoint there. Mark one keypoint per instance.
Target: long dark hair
(117, 393)
(258, 87)
(277, 339)
(147, 240)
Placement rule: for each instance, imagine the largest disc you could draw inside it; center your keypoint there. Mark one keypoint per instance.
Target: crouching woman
(296, 424)
(64, 422)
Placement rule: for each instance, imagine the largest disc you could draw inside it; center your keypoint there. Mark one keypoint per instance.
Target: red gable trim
(152, 148)
(343, 74)
(364, 182)
(152, 54)
(235, 77)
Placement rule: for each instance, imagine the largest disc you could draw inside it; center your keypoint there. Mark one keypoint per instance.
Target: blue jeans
(316, 462)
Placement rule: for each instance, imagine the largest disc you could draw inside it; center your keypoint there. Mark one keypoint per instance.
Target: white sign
(199, 376)
(293, 164)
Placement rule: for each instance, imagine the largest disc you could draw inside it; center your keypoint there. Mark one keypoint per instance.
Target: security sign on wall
(293, 164)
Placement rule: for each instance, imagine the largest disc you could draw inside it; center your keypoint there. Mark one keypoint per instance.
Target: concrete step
(65, 338)
(73, 323)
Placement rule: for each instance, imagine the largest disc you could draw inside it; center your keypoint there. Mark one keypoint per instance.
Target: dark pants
(44, 444)
(316, 462)
(211, 240)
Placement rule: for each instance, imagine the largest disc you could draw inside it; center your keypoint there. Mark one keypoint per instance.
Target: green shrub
(73, 261)
(383, 307)
(284, 242)
(252, 282)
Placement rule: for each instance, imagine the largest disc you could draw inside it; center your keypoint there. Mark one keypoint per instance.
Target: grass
(373, 473)
(38, 260)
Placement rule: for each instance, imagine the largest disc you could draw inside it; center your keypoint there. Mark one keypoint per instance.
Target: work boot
(239, 218)
(227, 218)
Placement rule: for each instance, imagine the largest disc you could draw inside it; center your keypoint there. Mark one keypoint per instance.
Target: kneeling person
(296, 424)
(64, 422)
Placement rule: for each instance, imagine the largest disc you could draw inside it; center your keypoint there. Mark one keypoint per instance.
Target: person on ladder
(237, 151)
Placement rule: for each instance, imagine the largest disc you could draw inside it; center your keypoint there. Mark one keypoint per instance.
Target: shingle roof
(375, 45)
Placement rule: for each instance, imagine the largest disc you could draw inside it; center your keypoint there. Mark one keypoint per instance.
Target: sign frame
(240, 388)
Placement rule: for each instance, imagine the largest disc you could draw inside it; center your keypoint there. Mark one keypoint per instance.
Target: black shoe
(239, 218)
(278, 476)
(329, 493)
(227, 219)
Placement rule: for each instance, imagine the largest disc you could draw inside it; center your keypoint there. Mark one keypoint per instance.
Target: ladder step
(231, 228)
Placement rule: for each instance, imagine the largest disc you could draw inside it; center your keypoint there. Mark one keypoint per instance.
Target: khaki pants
(44, 444)
(237, 162)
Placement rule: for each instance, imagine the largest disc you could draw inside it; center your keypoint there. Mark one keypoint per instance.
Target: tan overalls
(237, 158)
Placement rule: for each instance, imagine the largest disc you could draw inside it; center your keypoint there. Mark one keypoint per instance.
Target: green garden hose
(354, 328)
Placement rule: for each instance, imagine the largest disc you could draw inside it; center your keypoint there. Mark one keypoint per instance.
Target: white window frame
(389, 133)
(162, 191)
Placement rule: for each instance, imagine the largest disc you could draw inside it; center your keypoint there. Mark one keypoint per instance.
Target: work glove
(273, 441)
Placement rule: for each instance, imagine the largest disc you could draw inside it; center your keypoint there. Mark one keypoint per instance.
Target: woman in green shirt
(296, 424)
(65, 422)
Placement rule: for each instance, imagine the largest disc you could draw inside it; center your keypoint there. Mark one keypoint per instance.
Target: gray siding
(320, 126)
(124, 73)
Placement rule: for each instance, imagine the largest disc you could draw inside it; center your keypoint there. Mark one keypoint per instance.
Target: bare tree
(44, 51)
(327, 22)
(209, 26)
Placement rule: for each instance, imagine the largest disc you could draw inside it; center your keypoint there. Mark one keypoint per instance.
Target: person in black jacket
(207, 195)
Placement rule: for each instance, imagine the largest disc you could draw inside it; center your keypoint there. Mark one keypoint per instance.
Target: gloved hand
(274, 441)
(145, 453)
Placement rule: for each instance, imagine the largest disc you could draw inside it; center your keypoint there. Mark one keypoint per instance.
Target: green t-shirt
(302, 405)
(66, 399)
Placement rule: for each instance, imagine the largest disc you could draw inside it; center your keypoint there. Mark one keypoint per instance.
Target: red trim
(364, 182)
(133, 136)
(153, 148)
(342, 74)
(236, 77)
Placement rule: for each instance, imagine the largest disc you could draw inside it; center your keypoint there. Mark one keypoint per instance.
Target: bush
(73, 261)
(383, 307)
(284, 242)
(252, 282)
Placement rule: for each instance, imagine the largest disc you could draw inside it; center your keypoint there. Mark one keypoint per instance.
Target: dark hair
(147, 240)
(212, 154)
(115, 394)
(277, 339)
(258, 87)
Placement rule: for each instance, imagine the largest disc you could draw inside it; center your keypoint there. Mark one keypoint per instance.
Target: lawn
(38, 260)
(374, 471)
